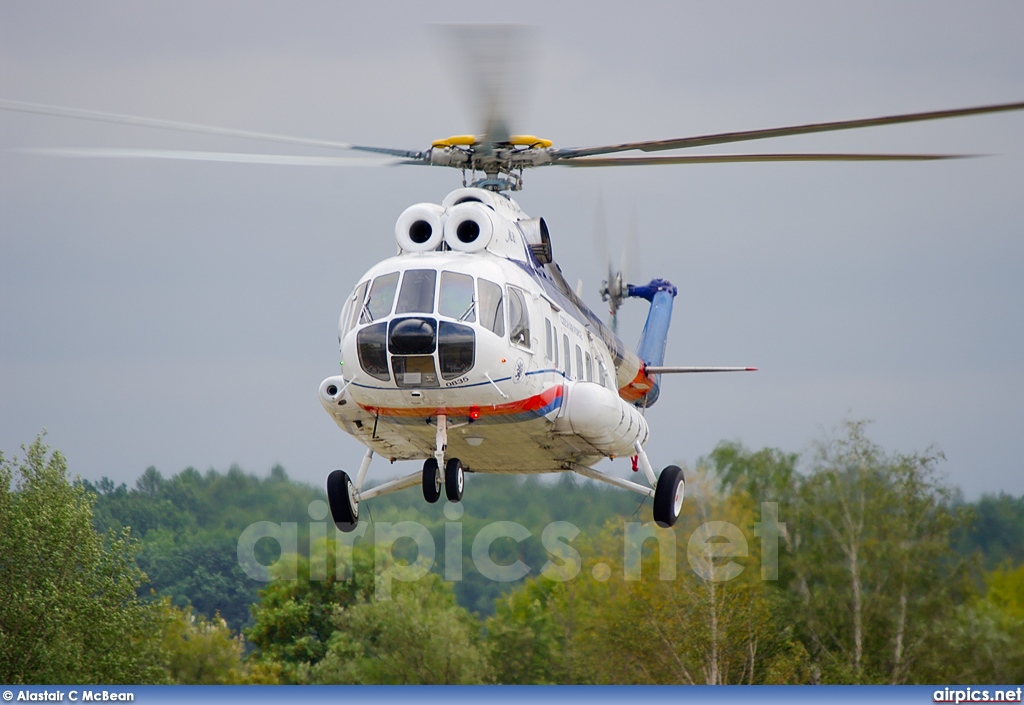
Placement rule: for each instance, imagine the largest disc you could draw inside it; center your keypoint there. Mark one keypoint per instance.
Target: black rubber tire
(454, 480)
(341, 495)
(668, 496)
(431, 481)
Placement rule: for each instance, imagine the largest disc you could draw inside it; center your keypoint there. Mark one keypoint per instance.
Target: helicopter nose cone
(413, 336)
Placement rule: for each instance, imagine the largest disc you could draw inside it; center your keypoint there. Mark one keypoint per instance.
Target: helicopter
(468, 350)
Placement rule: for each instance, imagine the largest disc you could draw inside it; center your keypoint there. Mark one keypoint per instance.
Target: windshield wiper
(469, 311)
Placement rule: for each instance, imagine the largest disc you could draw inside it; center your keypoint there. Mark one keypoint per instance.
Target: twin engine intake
(466, 227)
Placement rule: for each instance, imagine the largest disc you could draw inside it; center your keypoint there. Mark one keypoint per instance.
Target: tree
(527, 640)
(68, 605)
(872, 561)
(651, 619)
(200, 651)
(293, 622)
(419, 636)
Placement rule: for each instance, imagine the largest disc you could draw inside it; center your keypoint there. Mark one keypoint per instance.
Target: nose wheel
(431, 481)
(341, 495)
(454, 480)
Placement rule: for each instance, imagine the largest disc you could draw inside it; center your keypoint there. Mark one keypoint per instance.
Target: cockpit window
(492, 314)
(353, 305)
(382, 297)
(518, 318)
(457, 299)
(372, 344)
(456, 347)
(417, 291)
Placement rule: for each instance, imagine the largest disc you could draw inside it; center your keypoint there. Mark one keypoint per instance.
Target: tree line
(849, 565)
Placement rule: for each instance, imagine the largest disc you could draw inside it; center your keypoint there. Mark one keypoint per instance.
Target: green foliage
(981, 641)
(419, 636)
(188, 527)
(196, 650)
(869, 563)
(995, 532)
(871, 584)
(293, 621)
(653, 623)
(1006, 591)
(526, 640)
(529, 501)
(68, 606)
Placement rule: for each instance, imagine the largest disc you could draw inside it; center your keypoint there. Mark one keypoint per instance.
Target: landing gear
(431, 481)
(342, 497)
(454, 480)
(668, 496)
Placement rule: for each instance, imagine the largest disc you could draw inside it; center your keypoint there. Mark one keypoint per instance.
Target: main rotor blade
(58, 111)
(735, 158)
(278, 159)
(496, 62)
(724, 137)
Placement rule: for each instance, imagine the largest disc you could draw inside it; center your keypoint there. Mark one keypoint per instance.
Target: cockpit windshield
(417, 346)
(457, 300)
(381, 298)
(417, 291)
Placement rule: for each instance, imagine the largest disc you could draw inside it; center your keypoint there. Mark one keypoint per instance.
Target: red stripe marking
(538, 401)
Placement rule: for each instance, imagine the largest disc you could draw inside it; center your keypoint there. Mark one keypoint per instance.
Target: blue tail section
(653, 340)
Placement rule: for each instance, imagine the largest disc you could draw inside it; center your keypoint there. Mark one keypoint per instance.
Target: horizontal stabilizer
(651, 370)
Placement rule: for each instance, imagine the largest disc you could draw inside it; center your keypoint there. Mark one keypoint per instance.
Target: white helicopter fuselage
(472, 324)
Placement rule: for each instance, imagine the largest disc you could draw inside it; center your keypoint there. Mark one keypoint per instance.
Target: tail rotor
(615, 289)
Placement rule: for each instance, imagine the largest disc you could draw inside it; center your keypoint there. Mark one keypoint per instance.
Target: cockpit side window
(353, 305)
(382, 297)
(456, 300)
(492, 313)
(417, 294)
(518, 318)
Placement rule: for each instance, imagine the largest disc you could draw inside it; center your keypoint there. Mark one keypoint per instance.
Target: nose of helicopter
(413, 336)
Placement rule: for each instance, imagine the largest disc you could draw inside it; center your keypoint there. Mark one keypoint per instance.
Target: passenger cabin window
(518, 318)
(590, 368)
(547, 339)
(456, 300)
(579, 363)
(417, 295)
(382, 297)
(568, 357)
(492, 313)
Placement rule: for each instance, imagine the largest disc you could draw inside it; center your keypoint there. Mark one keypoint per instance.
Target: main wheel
(454, 480)
(431, 480)
(668, 496)
(341, 495)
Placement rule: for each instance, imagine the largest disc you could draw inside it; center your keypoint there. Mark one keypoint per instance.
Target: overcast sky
(183, 314)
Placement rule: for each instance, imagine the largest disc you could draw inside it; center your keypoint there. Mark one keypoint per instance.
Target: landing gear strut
(668, 490)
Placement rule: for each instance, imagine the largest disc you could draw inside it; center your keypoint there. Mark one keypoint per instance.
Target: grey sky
(175, 314)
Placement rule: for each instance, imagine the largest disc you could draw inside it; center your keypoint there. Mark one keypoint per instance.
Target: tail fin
(654, 339)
